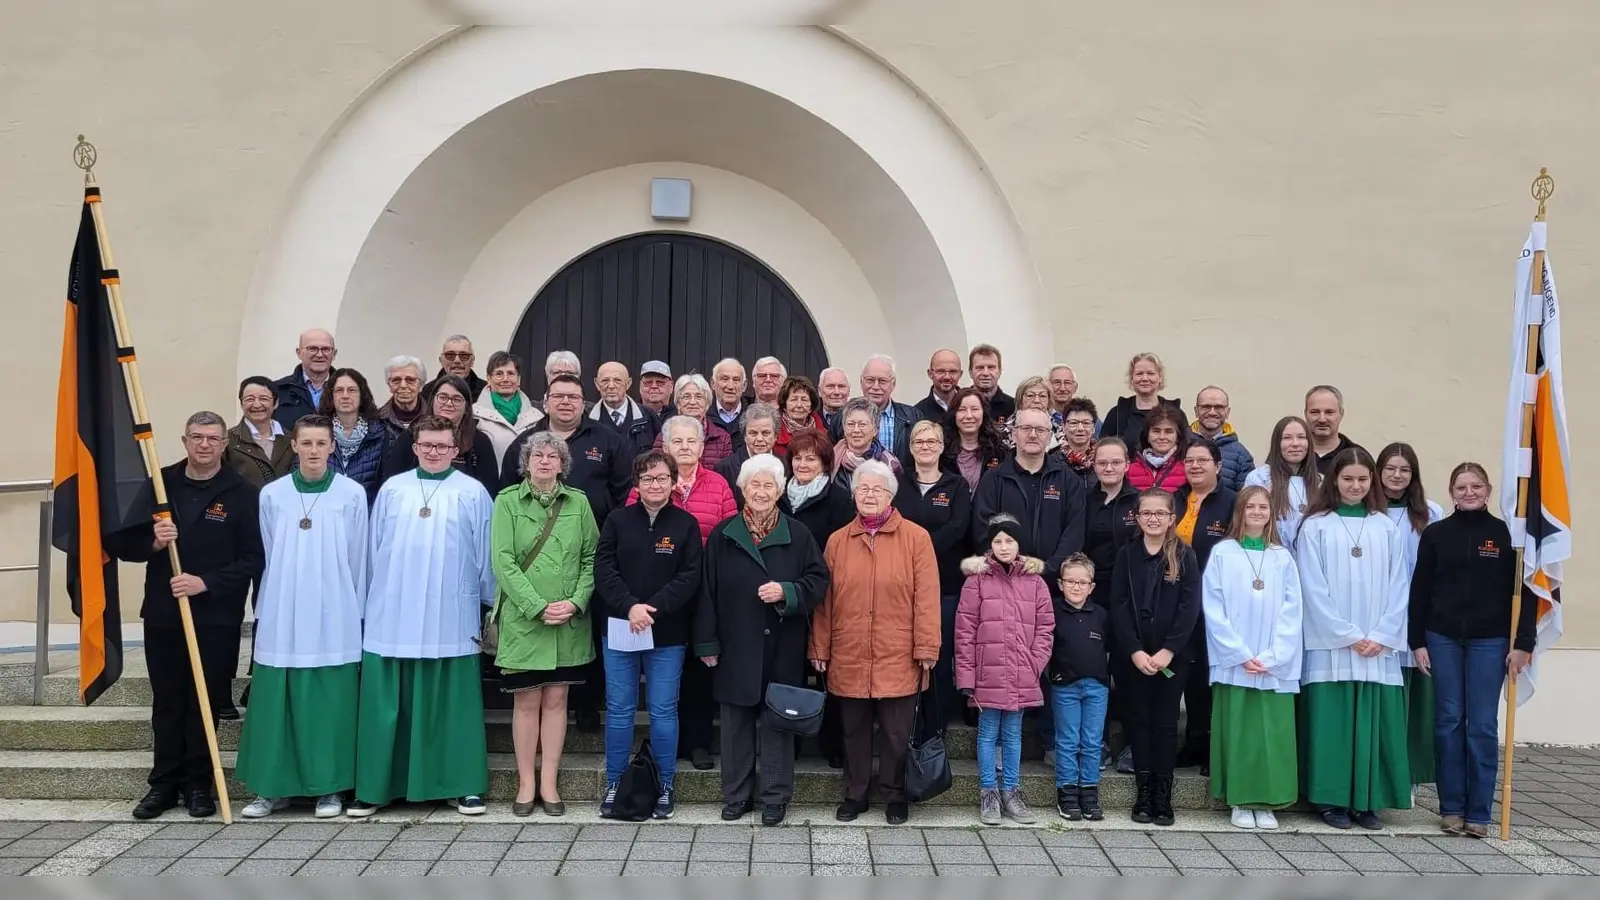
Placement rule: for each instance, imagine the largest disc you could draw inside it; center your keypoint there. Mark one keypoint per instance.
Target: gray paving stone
(599, 849)
(896, 837)
(1495, 865)
(771, 853)
(1181, 840)
(469, 868)
(255, 867)
(71, 831)
(1568, 849)
(960, 855)
(1347, 843)
(488, 832)
(432, 833)
(198, 866)
(426, 851)
(479, 850)
(1126, 840)
(1105, 871)
(782, 869)
(1019, 869)
(1198, 859)
(610, 867)
(835, 854)
(1462, 846)
(1010, 837)
(255, 831)
(1236, 841)
(1435, 864)
(1255, 859)
(97, 847)
(724, 834)
(157, 848)
(543, 850)
(651, 867)
(548, 833)
(529, 867)
(399, 867)
(19, 865)
(843, 871)
(719, 852)
(950, 837)
(310, 831)
(134, 865)
(1123, 857)
(278, 848)
(34, 848)
(1020, 856)
(665, 833)
(1068, 858)
(922, 870)
(1303, 842)
(1375, 863)
(333, 867)
(1551, 865)
(68, 865)
(12, 830)
(351, 850)
(1188, 872)
(960, 869)
(378, 831)
(788, 834)
(900, 854)
(659, 851)
(1147, 871)
(1068, 839)
(217, 847)
(609, 832)
(846, 836)
(201, 830)
(1315, 861)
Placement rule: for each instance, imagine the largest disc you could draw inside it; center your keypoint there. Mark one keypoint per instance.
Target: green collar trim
(312, 487)
(425, 475)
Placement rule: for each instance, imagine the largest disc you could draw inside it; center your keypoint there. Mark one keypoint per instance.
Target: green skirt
(421, 730)
(299, 735)
(1419, 725)
(1353, 750)
(1253, 761)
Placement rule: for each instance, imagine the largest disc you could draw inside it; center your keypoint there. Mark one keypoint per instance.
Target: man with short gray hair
(833, 386)
(300, 392)
(894, 419)
(768, 374)
(728, 398)
(456, 358)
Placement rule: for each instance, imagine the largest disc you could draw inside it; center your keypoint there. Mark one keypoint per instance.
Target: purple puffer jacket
(1005, 627)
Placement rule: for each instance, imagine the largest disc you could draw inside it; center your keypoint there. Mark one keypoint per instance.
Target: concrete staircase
(64, 751)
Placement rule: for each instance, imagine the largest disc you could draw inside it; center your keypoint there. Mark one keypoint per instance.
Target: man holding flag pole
(1537, 509)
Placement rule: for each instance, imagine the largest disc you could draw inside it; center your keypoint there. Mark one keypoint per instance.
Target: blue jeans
(1080, 714)
(663, 669)
(1002, 727)
(1467, 677)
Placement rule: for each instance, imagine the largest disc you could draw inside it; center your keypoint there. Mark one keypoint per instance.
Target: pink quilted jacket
(710, 501)
(1005, 627)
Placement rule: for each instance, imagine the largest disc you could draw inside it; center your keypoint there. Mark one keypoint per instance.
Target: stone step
(97, 727)
(120, 775)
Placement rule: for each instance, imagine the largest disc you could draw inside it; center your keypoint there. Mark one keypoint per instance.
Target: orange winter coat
(881, 613)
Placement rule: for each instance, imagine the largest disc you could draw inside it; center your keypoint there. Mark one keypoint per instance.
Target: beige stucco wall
(1269, 195)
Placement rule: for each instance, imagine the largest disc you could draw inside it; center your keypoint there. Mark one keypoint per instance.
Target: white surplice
(1289, 522)
(1349, 598)
(1397, 515)
(1243, 623)
(431, 576)
(308, 607)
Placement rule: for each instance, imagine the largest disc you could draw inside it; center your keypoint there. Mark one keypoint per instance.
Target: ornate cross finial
(1544, 187)
(83, 156)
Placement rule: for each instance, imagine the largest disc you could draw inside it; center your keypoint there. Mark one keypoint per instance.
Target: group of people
(1330, 634)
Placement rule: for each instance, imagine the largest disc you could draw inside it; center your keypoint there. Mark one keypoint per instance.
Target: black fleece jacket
(655, 563)
(1148, 612)
(1461, 588)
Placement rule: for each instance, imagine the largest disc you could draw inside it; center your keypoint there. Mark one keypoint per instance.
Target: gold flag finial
(83, 156)
(1544, 187)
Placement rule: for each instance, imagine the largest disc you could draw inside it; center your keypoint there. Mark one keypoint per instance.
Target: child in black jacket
(1080, 681)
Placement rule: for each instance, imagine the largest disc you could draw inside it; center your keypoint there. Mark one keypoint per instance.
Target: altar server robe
(1349, 598)
(308, 606)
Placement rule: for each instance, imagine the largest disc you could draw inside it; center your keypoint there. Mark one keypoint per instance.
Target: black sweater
(946, 512)
(1461, 588)
(1212, 520)
(655, 563)
(1083, 640)
(1110, 525)
(1148, 612)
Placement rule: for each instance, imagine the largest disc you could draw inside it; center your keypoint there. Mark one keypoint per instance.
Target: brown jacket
(881, 613)
(245, 456)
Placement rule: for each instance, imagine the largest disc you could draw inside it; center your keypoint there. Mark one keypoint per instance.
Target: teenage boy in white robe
(299, 737)
(420, 734)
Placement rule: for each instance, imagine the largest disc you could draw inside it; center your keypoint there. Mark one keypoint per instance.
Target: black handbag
(927, 764)
(794, 710)
(639, 787)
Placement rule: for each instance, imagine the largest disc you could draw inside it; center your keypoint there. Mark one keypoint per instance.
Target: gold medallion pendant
(305, 524)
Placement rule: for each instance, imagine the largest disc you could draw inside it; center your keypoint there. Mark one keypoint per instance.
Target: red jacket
(1005, 630)
(1169, 477)
(710, 501)
(718, 445)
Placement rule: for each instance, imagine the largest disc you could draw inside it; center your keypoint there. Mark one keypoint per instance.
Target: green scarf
(312, 487)
(1253, 543)
(509, 407)
(1353, 510)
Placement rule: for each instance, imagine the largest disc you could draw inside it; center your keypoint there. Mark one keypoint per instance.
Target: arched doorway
(683, 298)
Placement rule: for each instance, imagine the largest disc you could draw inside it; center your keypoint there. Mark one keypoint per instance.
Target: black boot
(1141, 798)
(156, 802)
(1089, 799)
(1161, 800)
(1067, 803)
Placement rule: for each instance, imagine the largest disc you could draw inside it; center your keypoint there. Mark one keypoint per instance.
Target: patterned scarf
(686, 485)
(545, 499)
(349, 442)
(846, 460)
(1080, 460)
(760, 524)
(873, 523)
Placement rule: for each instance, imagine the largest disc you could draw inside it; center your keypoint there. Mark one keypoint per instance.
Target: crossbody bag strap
(549, 526)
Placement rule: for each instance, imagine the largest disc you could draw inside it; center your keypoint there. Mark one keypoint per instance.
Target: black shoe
(1337, 818)
(897, 813)
(229, 713)
(1161, 801)
(1368, 820)
(773, 813)
(156, 802)
(733, 812)
(588, 719)
(849, 809)
(701, 758)
(244, 697)
(1089, 799)
(835, 761)
(1141, 798)
(1205, 770)
(201, 804)
(1068, 806)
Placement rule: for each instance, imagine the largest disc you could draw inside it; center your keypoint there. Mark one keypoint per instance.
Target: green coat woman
(563, 570)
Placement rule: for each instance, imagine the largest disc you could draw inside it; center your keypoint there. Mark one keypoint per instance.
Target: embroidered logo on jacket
(593, 454)
(1489, 550)
(665, 546)
(1217, 529)
(1052, 493)
(216, 513)
(941, 499)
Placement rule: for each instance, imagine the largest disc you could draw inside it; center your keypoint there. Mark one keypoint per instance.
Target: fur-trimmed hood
(978, 565)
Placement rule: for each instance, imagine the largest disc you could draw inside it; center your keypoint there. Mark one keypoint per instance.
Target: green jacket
(563, 571)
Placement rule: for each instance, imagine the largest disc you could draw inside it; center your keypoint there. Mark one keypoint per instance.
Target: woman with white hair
(543, 543)
(764, 573)
(692, 397)
(860, 443)
(405, 376)
(877, 635)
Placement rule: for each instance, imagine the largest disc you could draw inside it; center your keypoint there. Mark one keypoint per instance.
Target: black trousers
(940, 702)
(893, 716)
(182, 760)
(697, 709)
(1197, 698)
(1150, 714)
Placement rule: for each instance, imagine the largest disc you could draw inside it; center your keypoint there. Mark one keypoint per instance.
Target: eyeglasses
(458, 356)
(404, 379)
(1109, 463)
(449, 400)
(655, 480)
(435, 448)
(1031, 429)
(548, 455)
(927, 443)
(1154, 514)
(1076, 424)
(876, 381)
(565, 398)
(1076, 582)
(204, 440)
(318, 351)
(1210, 407)
(872, 490)
(1198, 461)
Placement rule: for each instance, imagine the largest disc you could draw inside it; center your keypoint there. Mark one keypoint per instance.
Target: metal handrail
(41, 638)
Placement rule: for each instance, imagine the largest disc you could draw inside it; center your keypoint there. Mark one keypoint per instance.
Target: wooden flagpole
(1543, 188)
(84, 156)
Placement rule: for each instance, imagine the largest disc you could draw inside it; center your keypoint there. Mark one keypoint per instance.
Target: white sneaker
(1266, 819)
(329, 806)
(1243, 818)
(261, 807)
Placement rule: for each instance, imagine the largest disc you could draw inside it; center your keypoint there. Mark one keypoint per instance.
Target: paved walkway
(1557, 832)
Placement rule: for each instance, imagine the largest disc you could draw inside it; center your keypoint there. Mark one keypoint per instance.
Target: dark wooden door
(682, 298)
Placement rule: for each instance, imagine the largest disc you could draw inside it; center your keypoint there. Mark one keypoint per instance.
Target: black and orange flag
(99, 468)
